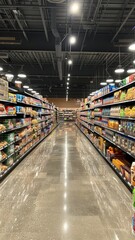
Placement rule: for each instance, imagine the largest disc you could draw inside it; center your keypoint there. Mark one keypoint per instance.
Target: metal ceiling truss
(100, 27)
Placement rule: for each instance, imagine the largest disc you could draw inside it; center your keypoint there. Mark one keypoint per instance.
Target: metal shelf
(14, 129)
(119, 117)
(17, 128)
(6, 115)
(115, 144)
(6, 172)
(31, 105)
(127, 184)
(116, 103)
(113, 130)
(88, 109)
(8, 102)
(86, 121)
(117, 89)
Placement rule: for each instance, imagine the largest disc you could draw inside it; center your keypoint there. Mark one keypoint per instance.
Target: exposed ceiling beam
(43, 20)
(52, 60)
(37, 60)
(123, 23)
(4, 6)
(21, 27)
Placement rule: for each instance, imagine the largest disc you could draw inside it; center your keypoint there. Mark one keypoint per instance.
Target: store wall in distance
(61, 102)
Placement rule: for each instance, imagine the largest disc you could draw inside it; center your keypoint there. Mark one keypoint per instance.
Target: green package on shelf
(9, 137)
(133, 195)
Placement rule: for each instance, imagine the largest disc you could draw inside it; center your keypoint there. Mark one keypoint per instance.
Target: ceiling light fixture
(72, 40)
(109, 80)
(18, 81)
(9, 75)
(67, 87)
(22, 75)
(68, 74)
(117, 80)
(25, 86)
(74, 8)
(30, 89)
(132, 47)
(70, 62)
(1, 68)
(67, 83)
(119, 69)
(68, 79)
(103, 83)
(131, 70)
(33, 91)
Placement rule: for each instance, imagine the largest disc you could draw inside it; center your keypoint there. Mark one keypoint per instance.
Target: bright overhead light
(9, 75)
(74, 8)
(68, 74)
(119, 69)
(131, 70)
(25, 86)
(18, 81)
(30, 89)
(67, 87)
(132, 47)
(1, 68)
(134, 61)
(118, 80)
(70, 62)
(109, 80)
(67, 83)
(72, 40)
(33, 91)
(103, 83)
(22, 75)
(68, 79)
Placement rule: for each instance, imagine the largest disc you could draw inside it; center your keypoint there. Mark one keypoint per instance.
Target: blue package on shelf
(19, 97)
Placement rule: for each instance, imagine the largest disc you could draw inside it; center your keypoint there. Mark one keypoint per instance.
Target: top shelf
(117, 89)
(26, 94)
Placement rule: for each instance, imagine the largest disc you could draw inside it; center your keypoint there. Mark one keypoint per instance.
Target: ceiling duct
(58, 48)
(3, 55)
(56, 1)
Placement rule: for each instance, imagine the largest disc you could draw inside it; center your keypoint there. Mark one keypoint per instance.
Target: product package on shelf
(12, 97)
(3, 89)
(112, 131)
(24, 122)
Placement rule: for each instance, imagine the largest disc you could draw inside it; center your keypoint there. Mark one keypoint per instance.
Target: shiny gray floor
(64, 190)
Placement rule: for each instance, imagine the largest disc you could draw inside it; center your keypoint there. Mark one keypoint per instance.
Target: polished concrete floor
(64, 191)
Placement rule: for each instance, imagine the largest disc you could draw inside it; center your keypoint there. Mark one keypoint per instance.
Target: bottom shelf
(6, 172)
(127, 184)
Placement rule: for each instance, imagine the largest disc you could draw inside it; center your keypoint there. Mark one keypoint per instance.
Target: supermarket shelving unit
(87, 120)
(69, 115)
(39, 131)
(61, 116)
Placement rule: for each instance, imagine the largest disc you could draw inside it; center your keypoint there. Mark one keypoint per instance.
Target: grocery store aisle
(64, 191)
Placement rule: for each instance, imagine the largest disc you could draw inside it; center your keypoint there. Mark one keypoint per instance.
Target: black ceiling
(102, 27)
